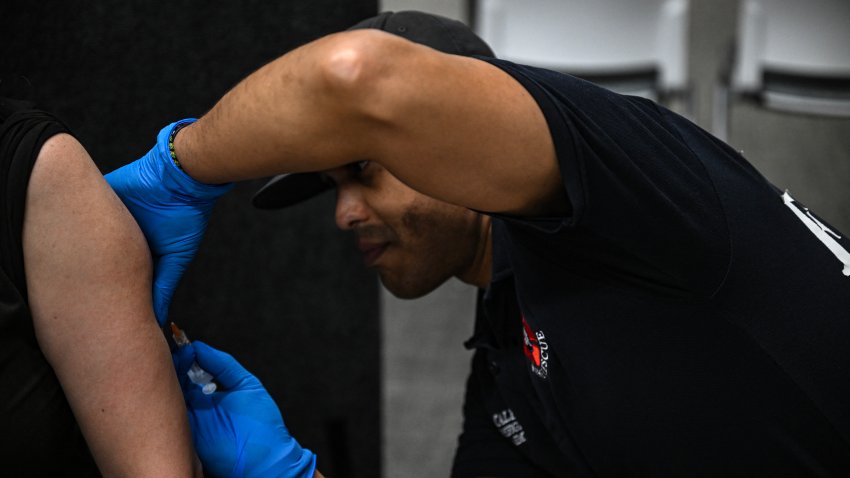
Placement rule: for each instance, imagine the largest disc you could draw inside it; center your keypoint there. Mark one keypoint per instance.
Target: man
(88, 389)
(651, 305)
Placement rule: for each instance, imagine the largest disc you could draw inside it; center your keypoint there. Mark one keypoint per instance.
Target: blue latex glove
(172, 210)
(238, 430)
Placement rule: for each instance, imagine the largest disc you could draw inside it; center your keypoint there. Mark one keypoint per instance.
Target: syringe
(196, 373)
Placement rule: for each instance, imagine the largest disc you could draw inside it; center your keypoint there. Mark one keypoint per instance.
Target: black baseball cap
(439, 33)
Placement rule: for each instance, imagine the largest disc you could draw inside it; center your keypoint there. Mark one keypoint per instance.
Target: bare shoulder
(62, 166)
(62, 150)
(68, 197)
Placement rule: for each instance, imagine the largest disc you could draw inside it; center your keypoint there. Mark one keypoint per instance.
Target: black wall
(284, 292)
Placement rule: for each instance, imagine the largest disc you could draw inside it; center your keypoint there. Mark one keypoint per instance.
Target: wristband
(174, 178)
(177, 127)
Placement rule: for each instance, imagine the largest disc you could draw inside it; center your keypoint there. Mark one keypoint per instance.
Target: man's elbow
(358, 68)
(344, 63)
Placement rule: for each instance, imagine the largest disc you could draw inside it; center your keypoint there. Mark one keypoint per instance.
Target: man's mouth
(371, 252)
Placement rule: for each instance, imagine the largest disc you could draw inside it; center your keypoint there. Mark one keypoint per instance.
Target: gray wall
(808, 155)
(424, 363)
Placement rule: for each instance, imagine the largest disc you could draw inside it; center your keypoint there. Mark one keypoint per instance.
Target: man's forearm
(279, 118)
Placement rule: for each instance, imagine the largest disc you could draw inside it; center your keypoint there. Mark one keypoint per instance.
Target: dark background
(284, 292)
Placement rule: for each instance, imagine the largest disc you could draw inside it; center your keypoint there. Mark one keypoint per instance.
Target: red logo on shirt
(536, 350)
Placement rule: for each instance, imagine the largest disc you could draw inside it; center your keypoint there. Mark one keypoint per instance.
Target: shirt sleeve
(643, 207)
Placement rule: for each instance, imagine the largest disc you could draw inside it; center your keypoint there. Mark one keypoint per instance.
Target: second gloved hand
(238, 431)
(172, 210)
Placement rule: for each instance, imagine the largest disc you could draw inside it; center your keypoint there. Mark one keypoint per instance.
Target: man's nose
(350, 207)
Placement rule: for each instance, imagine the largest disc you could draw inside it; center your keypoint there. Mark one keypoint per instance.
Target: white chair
(791, 55)
(630, 46)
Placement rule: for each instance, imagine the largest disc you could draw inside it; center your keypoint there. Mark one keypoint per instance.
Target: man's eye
(326, 180)
(358, 167)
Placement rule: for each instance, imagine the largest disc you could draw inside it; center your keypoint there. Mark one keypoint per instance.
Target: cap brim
(440, 33)
(288, 189)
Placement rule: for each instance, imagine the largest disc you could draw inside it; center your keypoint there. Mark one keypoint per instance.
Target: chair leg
(720, 112)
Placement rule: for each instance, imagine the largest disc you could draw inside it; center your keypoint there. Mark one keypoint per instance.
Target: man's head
(414, 241)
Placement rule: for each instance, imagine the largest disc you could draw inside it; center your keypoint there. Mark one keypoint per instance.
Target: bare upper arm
(88, 276)
(456, 128)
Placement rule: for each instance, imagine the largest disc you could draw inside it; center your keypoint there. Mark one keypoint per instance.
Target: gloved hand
(172, 210)
(238, 430)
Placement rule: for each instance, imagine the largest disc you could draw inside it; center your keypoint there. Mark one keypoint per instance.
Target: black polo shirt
(686, 318)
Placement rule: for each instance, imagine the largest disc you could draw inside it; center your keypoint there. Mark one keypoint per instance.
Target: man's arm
(455, 128)
(88, 275)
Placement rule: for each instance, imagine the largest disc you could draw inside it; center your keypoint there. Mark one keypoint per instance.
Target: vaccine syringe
(196, 374)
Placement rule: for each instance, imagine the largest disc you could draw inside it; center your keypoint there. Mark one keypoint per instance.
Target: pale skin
(89, 279)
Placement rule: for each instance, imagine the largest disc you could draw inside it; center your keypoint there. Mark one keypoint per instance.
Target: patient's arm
(89, 279)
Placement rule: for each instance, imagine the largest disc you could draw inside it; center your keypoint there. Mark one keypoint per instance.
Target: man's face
(414, 241)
